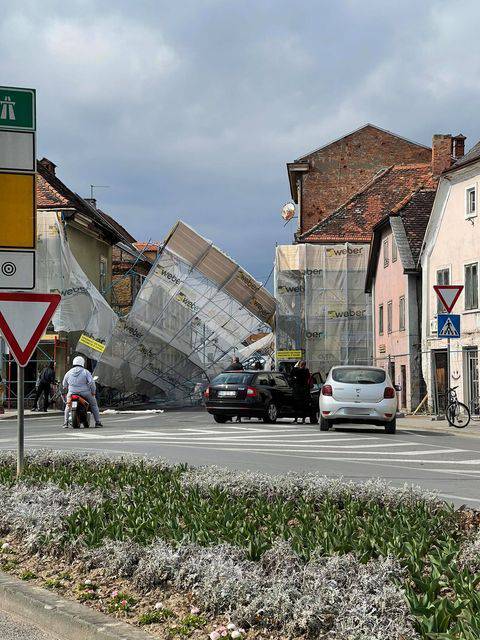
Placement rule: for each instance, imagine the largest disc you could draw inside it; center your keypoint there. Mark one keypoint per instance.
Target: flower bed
(284, 556)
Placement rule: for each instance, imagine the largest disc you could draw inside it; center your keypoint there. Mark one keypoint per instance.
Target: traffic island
(186, 552)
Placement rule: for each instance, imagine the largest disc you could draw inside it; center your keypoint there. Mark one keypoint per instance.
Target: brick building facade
(325, 179)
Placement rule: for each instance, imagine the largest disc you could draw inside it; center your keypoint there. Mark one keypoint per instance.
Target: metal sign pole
(448, 371)
(20, 419)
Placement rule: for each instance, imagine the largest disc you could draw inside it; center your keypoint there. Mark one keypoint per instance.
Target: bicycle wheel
(458, 415)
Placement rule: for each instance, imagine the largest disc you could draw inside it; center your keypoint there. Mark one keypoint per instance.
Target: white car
(358, 394)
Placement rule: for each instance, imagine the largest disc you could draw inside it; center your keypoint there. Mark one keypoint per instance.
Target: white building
(451, 255)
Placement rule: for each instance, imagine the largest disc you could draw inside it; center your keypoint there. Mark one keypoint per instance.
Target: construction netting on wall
(322, 308)
(196, 308)
(82, 307)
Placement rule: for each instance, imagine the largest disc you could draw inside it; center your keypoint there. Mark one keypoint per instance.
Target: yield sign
(448, 294)
(23, 320)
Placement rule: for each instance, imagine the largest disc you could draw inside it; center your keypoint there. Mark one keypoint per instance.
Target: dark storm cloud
(192, 110)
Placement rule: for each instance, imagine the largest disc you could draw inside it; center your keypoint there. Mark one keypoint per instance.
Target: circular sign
(9, 269)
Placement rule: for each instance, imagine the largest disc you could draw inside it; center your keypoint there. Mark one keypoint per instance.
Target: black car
(257, 394)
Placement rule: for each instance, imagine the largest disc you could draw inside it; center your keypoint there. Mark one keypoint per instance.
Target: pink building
(394, 280)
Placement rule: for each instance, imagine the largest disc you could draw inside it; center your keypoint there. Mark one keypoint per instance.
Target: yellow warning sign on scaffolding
(17, 210)
(295, 354)
(93, 344)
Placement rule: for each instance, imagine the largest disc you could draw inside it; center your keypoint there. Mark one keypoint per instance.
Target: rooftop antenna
(97, 186)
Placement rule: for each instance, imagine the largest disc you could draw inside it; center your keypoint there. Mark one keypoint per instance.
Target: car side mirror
(398, 387)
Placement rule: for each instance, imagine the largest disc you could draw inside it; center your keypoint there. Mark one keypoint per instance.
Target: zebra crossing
(281, 439)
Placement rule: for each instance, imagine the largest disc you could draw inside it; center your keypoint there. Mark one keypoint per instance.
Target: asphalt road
(447, 461)
(14, 629)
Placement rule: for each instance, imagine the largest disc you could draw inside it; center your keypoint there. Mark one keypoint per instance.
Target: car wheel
(391, 427)
(324, 426)
(220, 419)
(272, 413)
(314, 417)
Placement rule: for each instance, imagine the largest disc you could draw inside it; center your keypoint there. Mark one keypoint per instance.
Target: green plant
(152, 617)
(120, 602)
(186, 626)
(28, 575)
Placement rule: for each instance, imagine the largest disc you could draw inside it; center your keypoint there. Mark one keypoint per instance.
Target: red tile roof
(389, 189)
(415, 215)
(52, 193)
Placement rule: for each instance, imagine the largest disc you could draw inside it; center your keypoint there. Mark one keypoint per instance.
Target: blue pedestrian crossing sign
(448, 325)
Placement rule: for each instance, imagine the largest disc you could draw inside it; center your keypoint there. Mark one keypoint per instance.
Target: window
(471, 286)
(443, 277)
(358, 375)
(389, 317)
(380, 320)
(394, 250)
(385, 253)
(401, 313)
(233, 378)
(280, 381)
(102, 282)
(471, 202)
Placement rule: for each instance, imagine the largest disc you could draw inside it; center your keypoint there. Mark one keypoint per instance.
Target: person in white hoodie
(79, 380)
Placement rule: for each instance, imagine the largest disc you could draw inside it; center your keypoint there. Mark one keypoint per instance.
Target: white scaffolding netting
(82, 307)
(322, 307)
(196, 308)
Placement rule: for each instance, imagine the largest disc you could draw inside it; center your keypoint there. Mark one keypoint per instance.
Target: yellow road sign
(295, 354)
(17, 211)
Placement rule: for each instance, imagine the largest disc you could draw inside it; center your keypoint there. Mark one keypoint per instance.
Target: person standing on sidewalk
(45, 381)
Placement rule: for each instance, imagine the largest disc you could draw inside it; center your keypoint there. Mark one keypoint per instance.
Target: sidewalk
(425, 423)
(11, 414)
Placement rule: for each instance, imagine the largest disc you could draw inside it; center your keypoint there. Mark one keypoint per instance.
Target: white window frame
(401, 306)
(438, 304)
(468, 213)
(103, 275)
(389, 317)
(381, 320)
(469, 264)
(394, 250)
(386, 257)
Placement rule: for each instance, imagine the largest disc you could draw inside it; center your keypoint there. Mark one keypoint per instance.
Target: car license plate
(74, 404)
(357, 412)
(227, 394)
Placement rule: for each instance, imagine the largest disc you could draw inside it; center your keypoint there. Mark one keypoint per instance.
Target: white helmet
(78, 361)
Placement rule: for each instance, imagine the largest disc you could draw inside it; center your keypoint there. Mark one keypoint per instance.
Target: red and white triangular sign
(448, 294)
(23, 320)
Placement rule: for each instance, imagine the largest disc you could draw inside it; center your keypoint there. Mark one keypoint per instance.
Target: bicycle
(457, 413)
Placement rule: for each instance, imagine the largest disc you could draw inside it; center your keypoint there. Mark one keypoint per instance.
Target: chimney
(48, 165)
(441, 153)
(458, 146)
(92, 202)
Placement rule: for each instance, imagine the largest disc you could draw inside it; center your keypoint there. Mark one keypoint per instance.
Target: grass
(144, 502)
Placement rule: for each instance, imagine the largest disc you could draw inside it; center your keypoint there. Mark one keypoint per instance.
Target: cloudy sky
(190, 110)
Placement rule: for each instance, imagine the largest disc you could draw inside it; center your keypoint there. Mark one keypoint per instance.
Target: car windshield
(235, 377)
(358, 375)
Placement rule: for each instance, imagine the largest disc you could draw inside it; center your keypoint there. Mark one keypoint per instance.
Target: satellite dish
(288, 211)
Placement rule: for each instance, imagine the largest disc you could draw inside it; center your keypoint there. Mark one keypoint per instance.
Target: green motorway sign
(17, 108)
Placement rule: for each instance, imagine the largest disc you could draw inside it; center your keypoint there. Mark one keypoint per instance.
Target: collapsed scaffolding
(196, 308)
(322, 308)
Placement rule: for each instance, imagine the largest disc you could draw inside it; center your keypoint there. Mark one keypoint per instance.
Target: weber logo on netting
(335, 314)
(333, 252)
(168, 275)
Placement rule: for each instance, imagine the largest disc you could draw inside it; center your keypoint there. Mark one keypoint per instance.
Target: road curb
(64, 618)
